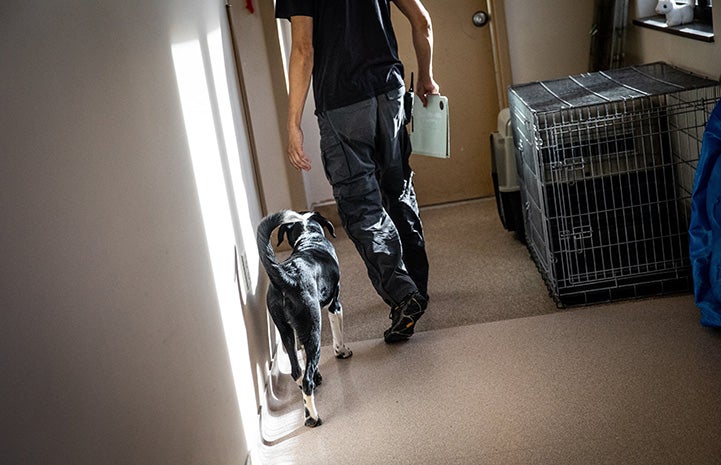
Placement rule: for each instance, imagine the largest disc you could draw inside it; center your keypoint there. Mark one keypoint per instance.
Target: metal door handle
(480, 18)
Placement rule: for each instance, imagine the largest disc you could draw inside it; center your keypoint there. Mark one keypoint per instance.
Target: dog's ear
(284, 229)
(318, 218)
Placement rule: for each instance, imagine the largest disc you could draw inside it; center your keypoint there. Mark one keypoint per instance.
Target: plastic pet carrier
(505, 177)
(606, 163)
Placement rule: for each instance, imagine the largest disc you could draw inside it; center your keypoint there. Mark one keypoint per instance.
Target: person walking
(349, 49)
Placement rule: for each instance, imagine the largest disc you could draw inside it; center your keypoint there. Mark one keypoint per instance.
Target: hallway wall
(548, 39)
(647, 46)
(121, 317)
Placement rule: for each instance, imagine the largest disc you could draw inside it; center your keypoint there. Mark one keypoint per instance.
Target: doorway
(463, 66)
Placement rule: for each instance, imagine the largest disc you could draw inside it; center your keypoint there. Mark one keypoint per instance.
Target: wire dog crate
(606, 163)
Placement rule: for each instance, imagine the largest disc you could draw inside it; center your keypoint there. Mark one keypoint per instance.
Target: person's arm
(422, 30)
(300, 68)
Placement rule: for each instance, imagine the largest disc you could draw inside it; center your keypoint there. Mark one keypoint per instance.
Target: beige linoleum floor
(635, 382)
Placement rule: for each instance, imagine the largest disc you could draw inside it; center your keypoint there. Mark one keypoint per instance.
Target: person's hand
(296, 154)
(424, 87)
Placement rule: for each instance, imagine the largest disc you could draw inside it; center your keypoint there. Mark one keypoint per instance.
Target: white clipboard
(430, 127)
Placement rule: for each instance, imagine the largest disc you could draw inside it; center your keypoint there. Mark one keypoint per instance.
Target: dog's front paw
(343, 352)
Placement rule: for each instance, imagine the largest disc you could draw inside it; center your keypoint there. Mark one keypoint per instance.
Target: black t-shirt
(355, 49)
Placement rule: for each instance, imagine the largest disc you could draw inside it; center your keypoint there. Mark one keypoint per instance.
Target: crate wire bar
(606, 163)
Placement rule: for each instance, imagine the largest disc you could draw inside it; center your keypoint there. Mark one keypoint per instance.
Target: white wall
(113, 346)
(260, 55)
(644, 45)
(548, 38)
(318, 190)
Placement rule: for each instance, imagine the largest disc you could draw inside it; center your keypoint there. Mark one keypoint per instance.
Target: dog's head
(304, 223)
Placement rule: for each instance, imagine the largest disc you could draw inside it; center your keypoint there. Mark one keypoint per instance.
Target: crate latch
(569, 164)
(577, 234)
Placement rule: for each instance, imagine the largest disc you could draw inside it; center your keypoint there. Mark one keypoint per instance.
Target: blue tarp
(705, 225)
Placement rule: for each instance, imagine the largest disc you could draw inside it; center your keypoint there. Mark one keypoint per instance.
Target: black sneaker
(404, 317)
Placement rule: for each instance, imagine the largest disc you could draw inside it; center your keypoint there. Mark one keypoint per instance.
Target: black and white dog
(308, 280)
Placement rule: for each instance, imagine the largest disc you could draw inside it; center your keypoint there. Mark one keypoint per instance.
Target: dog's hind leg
(335, 315)
(311, 377)
(287, 337)
(300, 351)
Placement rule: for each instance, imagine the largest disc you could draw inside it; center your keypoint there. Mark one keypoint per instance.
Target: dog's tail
(265, 249)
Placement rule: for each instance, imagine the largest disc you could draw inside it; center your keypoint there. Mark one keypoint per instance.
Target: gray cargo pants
(365, 149)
